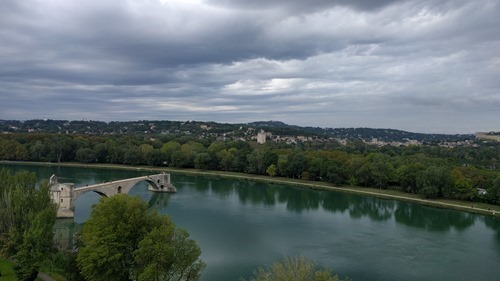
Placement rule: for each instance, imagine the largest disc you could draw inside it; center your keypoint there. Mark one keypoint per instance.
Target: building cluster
(380, 143)
(453, 144)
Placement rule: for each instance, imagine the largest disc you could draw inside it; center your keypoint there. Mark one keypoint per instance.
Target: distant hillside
(269, 124)
(215, 129)
(367, 134)
(389, 135)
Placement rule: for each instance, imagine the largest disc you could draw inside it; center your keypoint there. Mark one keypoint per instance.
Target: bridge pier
(65, 194)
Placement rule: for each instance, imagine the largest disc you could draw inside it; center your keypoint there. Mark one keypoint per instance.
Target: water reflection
(299, 200)
(250, 194)
(493, 223)
(374, 208)
(64, 233)
(159, 200)
(432, 218)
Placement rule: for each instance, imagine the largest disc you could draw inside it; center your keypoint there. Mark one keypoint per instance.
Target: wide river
(241, 225)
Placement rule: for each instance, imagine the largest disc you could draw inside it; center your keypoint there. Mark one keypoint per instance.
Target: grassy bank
(7, 271)
(473, 207)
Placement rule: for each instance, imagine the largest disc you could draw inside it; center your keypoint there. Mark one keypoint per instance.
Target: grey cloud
(311, 5)
(320, 63)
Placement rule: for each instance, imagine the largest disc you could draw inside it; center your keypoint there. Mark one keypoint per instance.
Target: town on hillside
(264, 131)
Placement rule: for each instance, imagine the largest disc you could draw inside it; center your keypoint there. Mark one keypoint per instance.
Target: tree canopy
(122, 240)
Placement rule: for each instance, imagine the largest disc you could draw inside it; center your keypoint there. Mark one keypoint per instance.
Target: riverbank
(472, 207)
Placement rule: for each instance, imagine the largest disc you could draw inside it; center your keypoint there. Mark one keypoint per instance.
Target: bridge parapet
(65, 194)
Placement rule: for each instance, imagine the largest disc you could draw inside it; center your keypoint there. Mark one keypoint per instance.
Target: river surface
(241, 225)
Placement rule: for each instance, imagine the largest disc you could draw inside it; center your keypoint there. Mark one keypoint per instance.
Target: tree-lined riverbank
(472, 207)
(435, 172)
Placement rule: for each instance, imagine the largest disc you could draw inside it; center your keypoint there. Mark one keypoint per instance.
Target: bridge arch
(158, 183)
(100, 193)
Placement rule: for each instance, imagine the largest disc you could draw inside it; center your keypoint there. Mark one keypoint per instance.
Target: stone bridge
(65, 194)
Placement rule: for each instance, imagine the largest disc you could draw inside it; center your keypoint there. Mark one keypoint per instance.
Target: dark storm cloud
(322, 63)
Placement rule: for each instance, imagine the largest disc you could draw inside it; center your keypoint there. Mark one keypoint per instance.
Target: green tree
(133, 156)
(155, 157)
(202, 161)
(146, 148)
(282, 165)
(272, 170)
(61, 148)
(407, 176)
(8, 149)
(116, 154)
(493, 194)
(118, 243)
(169, 148)
(101, 151)
(37, 244)
(259, 160)
(315, 166)
(253, 164)
(189, 151)
(463, 187)
(36, 150)
(167, 253)
(225, 158)
(296, 269)
(335, 172)
(383, 170)
(215, 147)
(432, 181)
(86, 155)
(27, 216)
(177, 159)
(296, 163)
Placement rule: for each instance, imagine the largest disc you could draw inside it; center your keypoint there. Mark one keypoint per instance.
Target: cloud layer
(419, 65)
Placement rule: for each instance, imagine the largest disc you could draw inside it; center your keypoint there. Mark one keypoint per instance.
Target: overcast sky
(416, 65)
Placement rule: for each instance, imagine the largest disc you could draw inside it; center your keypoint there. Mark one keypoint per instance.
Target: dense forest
(464, 173)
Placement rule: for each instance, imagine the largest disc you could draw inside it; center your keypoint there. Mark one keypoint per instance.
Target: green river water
(241, 225)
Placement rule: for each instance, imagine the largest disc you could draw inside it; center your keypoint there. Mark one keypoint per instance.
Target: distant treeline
(467, 173)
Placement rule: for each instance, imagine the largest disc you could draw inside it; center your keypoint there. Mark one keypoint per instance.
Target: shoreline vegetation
(467, 206)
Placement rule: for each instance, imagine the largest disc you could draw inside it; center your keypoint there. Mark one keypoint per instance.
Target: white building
(261, 137)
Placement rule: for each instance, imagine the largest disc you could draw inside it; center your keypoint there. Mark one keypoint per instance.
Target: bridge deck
(103, 184)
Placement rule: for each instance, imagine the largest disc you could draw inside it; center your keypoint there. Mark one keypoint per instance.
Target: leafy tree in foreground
(37, 245)
(166, 253)
(296, 269)
(27, 216)
(123, 241)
